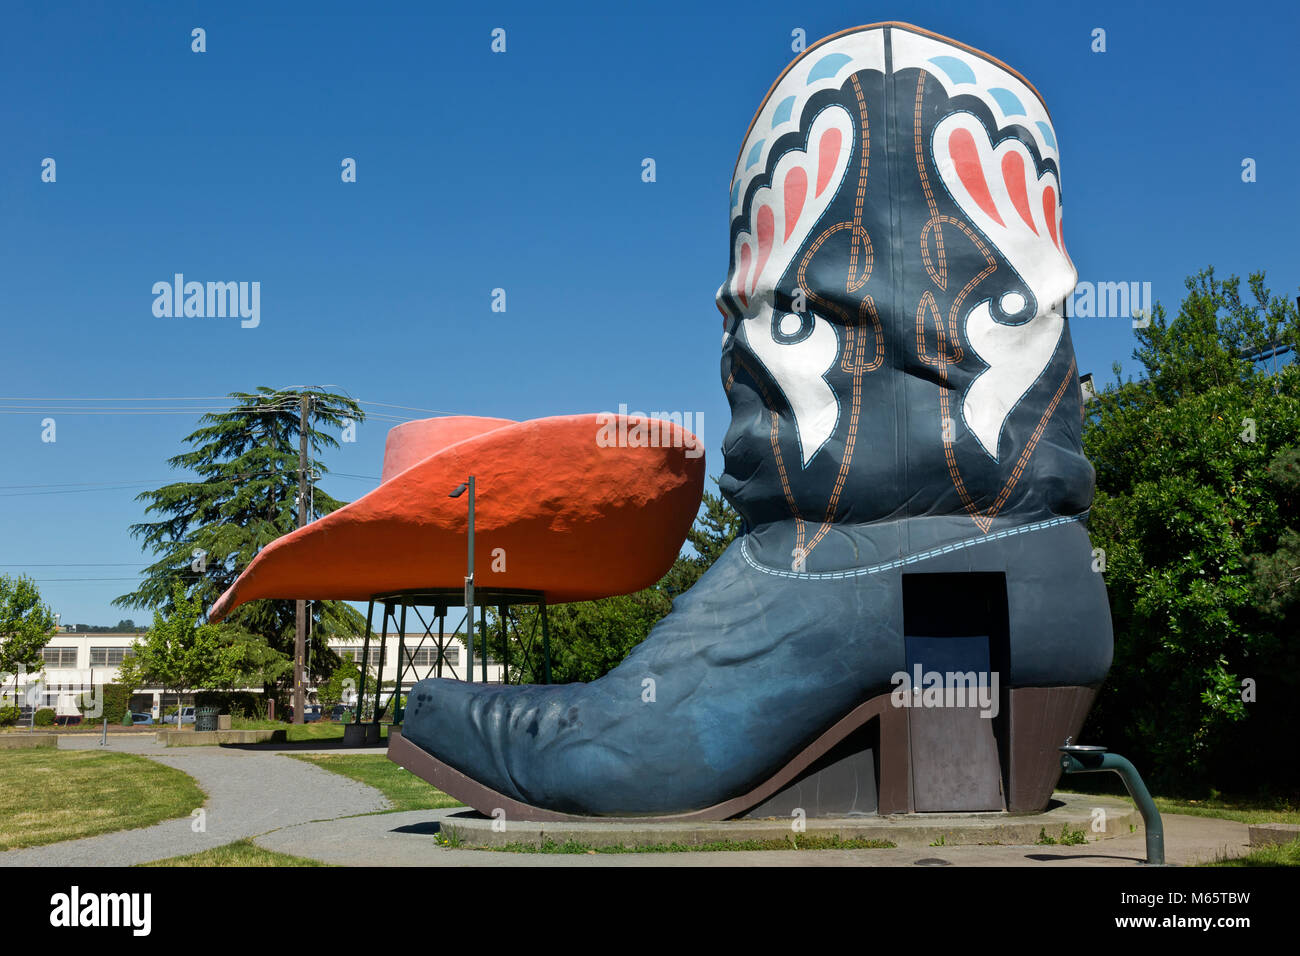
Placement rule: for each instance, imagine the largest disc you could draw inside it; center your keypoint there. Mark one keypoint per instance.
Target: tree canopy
(242, 496)
(181, 651)
(26, 625)
(1197, 511)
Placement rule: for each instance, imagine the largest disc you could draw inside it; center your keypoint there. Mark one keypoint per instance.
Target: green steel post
(401, 666)
(442, 629)
(546, 645)
(379, 675)
(469, 589)
(365, 659)
(505, 647)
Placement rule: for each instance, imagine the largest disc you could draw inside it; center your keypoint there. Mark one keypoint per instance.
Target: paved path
(407, 839)
(294, 807)
(249, 792)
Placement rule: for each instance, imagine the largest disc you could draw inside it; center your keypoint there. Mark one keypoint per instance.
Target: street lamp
(469, 578)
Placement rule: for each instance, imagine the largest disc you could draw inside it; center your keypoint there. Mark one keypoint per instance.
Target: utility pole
(300, 628)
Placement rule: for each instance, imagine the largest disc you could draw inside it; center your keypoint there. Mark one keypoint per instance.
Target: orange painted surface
(410, 443)
(575, 520)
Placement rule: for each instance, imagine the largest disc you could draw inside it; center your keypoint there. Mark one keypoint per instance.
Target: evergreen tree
(244, 495)
(711, 534)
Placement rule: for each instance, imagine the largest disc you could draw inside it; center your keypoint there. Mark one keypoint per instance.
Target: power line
(141, 398)
(70, 491)
(214, 403)
(409, 408)
(52, 580)
(83, 484)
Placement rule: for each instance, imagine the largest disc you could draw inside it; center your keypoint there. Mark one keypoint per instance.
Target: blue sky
(518, 170)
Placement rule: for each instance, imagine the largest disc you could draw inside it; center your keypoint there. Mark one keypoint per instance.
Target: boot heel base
(1041, 719)
(859, 774)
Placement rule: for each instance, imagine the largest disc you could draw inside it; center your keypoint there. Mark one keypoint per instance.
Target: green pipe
(1077, 759)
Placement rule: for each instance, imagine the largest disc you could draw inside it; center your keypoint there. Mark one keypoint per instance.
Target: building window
(353, 654)
(451, 654)
(59, 656)
(424, 657)
(109, 656)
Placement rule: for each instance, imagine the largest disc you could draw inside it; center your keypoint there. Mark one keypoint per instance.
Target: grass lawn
(1241, 809)
(721, 846)
(1288, 854)
(404, 790)
(240, 853)
(54, 795)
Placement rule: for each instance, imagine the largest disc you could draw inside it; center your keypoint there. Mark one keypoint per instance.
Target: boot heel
(860, 765)
(1041, 719)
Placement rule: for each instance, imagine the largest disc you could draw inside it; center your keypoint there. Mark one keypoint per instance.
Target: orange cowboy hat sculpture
(561, 509)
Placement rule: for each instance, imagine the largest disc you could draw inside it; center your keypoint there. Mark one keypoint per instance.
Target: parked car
(310, 713)
(339, 712)
(142, 718)
(186, 715)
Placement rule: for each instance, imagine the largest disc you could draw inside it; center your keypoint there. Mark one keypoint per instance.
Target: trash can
(205, 718)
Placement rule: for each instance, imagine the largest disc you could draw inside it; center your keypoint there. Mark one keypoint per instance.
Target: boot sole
(1040, 720)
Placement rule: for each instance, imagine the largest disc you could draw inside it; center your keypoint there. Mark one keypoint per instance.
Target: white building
(78, 663)
(421, 661)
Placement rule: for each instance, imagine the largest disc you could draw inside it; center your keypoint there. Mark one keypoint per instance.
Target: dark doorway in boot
(957, 650)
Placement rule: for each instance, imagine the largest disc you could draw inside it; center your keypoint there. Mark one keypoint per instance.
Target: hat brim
(558, 509)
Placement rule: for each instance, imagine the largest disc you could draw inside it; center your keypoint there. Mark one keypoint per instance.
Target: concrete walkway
(408, 839)
(291, 806)
(248, 793)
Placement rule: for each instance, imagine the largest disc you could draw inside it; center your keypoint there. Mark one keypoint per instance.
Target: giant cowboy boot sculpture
(904, 450)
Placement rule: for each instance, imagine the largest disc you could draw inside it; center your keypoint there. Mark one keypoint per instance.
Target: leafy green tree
(244, 495)
(1197, 517)
(26, 626)
(1277, 572)
(346, 677)
(587, 638)
(181, 651)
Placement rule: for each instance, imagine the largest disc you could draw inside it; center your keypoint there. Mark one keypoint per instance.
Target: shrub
(236, 703)
(117, 699)
(9, 716)
(44, 717)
